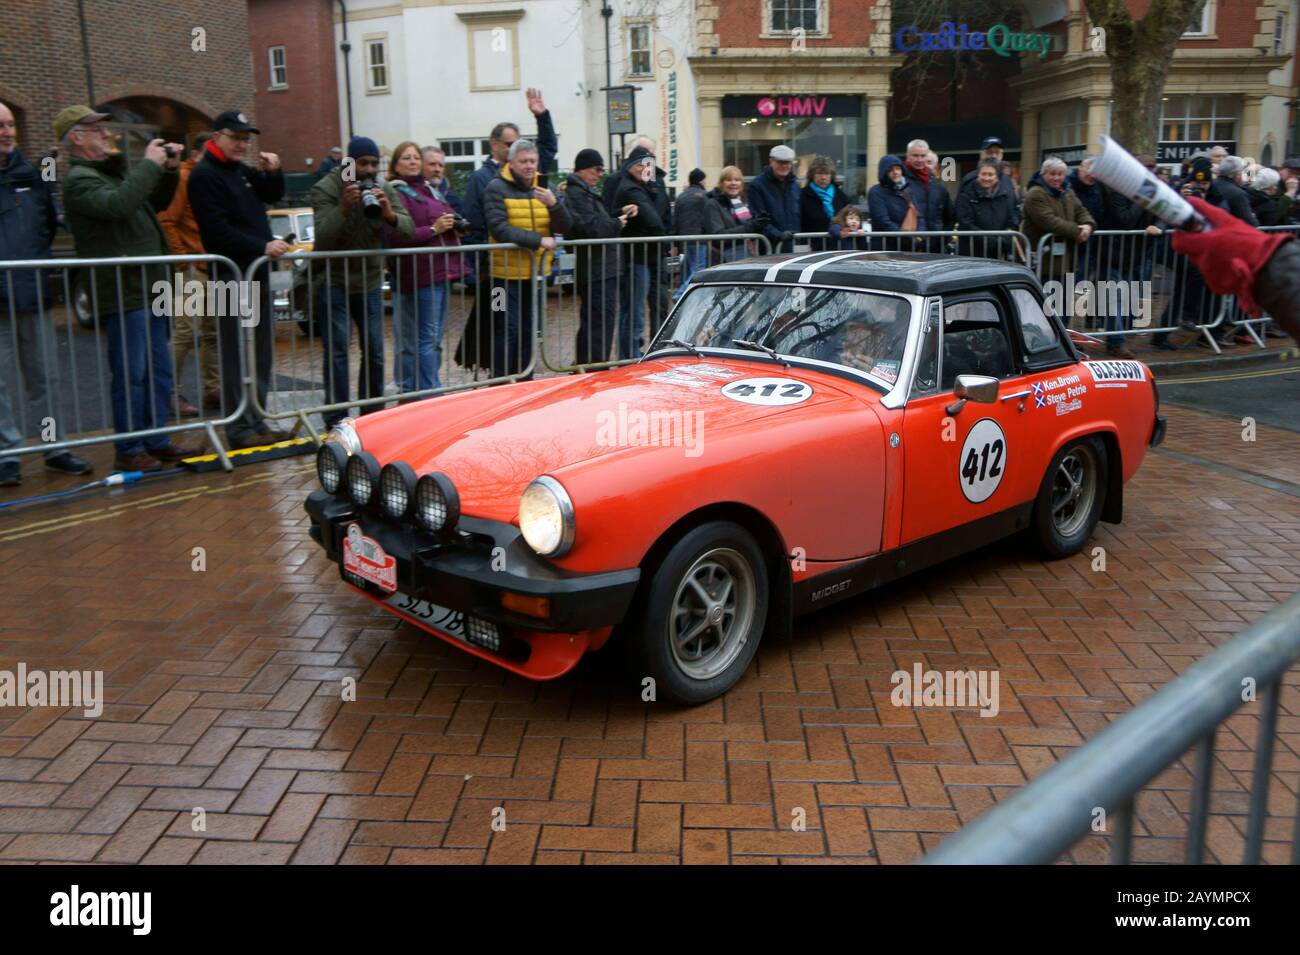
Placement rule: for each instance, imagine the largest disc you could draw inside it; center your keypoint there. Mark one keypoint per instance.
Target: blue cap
(991, 141)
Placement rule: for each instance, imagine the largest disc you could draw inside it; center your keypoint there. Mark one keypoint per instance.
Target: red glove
(1230, 255)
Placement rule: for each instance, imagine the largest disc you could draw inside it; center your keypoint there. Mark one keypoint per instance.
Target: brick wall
(137, 49)
(739, 23)
(301, 122)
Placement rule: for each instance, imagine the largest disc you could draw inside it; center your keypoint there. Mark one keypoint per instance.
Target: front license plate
(440, 618)
(364, 557)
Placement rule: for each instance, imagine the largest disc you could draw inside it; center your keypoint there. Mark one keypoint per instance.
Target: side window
(975, 342)
(1036, 329)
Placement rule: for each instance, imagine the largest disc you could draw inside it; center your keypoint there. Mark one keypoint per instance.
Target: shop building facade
(836, 77)
(1232, 83)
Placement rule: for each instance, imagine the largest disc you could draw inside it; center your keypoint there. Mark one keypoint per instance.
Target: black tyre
(1071, 497)
(697, 624)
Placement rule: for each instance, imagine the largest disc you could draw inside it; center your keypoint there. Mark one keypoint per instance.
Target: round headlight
(396, 486)
(363, 478)
(546, 517)
(345, 436)
(437, 505)
(331, 459)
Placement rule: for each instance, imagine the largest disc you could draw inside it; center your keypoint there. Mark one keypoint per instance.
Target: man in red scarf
(229, 199)
(935, 205)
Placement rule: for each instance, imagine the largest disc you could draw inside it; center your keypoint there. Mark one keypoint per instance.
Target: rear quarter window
(1040, 336)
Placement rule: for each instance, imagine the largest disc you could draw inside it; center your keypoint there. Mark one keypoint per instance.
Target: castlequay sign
(999, 38)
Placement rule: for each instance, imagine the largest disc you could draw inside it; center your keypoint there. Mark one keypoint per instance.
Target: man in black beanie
(349, 291)
(598, 266)
(690, 215)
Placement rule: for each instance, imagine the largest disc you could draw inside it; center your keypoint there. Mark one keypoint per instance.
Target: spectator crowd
(620, 222)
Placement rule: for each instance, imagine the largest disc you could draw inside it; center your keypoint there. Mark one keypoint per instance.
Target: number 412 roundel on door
(983, 460)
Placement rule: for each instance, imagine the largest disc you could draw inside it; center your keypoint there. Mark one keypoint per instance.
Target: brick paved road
(223, 692)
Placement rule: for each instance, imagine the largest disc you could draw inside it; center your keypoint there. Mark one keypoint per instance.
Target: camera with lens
(369, 202)
(171, 151)
(460, 224)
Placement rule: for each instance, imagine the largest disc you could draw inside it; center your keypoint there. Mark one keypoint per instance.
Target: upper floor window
(1202, 24)
(639, 49)
(279, 68)
(377, 64)
(787, 16)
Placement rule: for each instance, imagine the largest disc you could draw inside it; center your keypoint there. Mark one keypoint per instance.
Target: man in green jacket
(111, 213)
(349, 219)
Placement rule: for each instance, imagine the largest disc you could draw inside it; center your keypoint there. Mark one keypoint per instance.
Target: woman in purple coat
(423, 282)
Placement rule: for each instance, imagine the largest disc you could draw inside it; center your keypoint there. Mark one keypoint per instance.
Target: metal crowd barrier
(1005, 244)
(596, 315)
(58, 384)
(392, 334)
(1053, 812)
(1129, 269)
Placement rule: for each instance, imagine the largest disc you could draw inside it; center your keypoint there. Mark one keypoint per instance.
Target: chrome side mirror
(978, 388)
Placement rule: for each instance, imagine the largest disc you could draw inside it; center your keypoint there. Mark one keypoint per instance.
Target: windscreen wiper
(759, 346)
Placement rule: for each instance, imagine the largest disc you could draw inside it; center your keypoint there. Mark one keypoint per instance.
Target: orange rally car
(802, 429)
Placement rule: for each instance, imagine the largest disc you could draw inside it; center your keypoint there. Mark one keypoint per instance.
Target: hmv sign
(790, 106)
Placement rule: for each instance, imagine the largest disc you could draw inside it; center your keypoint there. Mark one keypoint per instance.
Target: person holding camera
(351, 211)
(598, 267)
(229, 198)
(113, 212)
(423, 282)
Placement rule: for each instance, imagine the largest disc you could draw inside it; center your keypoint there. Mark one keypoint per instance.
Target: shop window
(1198, 119)
(786, 16)
(279, 68)
(640, 45)
(1063, 125)
(377, 63)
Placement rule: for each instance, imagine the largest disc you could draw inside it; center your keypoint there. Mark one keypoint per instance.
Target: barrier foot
(306, 426)
(1210, 338)
(221, 451)
(1250, 330)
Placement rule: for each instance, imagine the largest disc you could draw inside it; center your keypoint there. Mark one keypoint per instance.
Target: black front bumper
(469, 570)
(1158, 431)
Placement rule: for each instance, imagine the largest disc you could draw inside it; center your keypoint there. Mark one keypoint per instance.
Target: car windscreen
(860, 330)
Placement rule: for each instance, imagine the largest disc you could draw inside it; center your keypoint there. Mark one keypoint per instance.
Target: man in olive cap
(112, 213)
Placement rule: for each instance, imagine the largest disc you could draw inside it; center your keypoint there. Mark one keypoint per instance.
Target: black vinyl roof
(915, 273)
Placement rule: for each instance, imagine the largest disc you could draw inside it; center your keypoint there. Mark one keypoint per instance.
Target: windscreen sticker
(700, 375)
(768, 391)
(983, 460)
(886, 369)
(1113, 373)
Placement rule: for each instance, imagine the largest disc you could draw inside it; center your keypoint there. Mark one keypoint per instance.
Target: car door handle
(1016, 394)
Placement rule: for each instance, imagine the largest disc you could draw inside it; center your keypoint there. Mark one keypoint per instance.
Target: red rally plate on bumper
(364, 557)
